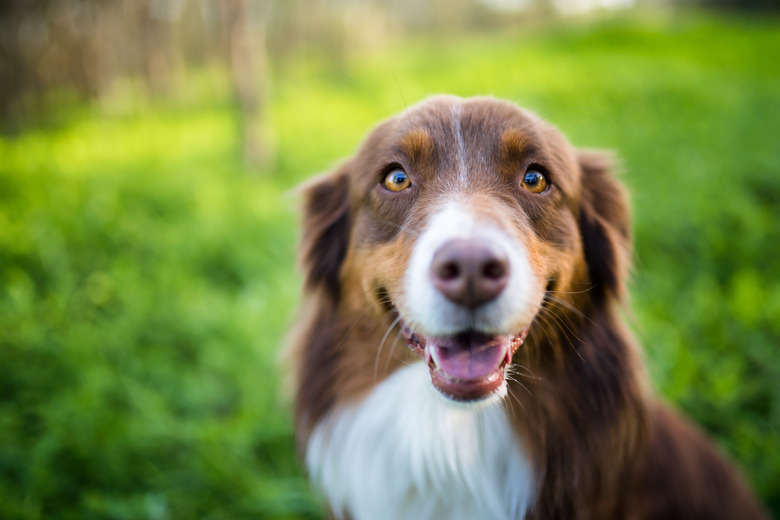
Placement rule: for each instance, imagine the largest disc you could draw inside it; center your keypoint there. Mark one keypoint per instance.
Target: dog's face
(455, 224)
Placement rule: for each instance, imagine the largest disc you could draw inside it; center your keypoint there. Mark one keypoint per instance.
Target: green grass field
(146, 280)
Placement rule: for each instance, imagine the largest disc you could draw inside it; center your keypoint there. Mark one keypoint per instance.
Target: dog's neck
(404, 451)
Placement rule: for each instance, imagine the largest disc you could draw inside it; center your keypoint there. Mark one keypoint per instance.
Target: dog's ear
(325, 235)
(604, 224)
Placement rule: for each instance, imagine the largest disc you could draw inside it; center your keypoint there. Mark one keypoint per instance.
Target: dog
(460, 352)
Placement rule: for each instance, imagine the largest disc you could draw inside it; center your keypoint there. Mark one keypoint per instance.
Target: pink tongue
(468, 356)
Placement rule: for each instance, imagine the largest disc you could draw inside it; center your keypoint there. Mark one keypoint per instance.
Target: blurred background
(148, 150)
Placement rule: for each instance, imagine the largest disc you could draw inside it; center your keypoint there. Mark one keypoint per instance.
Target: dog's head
(455, 223)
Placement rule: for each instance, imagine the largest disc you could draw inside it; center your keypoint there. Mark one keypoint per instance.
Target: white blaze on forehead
(462, 175)
(430, 312)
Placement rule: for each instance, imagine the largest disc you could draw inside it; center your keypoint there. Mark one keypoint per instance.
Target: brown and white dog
(460, 353)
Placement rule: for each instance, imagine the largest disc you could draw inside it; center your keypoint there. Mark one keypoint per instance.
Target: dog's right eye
(397, 180)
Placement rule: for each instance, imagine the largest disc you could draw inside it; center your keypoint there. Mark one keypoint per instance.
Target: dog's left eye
(397, 180)
(534, 181)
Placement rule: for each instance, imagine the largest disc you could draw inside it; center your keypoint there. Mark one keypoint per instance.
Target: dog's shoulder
(681, 474)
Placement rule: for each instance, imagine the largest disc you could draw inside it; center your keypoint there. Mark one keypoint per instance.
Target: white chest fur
(406, 452)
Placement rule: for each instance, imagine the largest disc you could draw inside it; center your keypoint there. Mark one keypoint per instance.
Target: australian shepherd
(460, 352)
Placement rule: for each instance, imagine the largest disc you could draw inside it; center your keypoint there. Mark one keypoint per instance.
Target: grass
(146, 279)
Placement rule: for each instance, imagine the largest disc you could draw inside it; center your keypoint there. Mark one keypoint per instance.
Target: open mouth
(468, 366)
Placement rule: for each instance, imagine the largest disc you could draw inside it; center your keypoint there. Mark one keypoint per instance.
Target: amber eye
(534, 181)
(397, 180)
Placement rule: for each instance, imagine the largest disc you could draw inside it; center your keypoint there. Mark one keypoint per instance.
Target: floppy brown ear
(604, 224)
(325, 230)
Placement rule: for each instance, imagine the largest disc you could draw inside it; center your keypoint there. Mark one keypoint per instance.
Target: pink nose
(469, 272)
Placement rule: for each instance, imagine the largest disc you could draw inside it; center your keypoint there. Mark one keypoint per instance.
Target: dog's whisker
(528, 375)
(510, 376)
(393, 354)
(381, 345)
(549, 318)
(561, 317)
(553, 300)
(564, 322)
(349, 329)
(515, 399)
(567, 337)
(546, 326)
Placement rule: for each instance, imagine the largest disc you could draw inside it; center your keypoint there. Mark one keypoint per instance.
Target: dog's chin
(467, 366)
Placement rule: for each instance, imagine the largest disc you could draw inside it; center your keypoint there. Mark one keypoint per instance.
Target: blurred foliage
(146, 281)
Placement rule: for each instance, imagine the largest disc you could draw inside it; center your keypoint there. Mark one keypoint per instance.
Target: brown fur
(603, 446)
